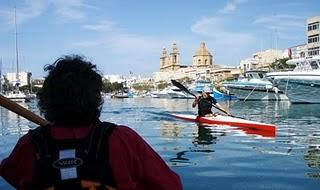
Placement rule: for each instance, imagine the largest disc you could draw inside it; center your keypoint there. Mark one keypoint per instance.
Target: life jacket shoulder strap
(98, 138)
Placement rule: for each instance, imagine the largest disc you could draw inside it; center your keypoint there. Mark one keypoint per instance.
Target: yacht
(302, 85)
(175, 92)
(160, 94)
(17, 96)
(171, 92)
(254, 86)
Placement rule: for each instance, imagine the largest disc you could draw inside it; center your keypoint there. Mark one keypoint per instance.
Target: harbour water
(213, 157)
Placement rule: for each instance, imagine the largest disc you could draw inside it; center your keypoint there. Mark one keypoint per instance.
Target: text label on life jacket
(67, 163)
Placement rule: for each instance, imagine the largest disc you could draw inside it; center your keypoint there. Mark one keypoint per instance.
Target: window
(313, 26)
(314, 65)
(313, 39)
(174, 59)
(261, 75)
(313, 51)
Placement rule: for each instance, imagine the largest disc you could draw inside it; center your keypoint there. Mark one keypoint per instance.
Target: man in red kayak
(77, 150)
(205, 103)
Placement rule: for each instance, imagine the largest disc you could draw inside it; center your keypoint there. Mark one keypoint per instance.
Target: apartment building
(313, 33)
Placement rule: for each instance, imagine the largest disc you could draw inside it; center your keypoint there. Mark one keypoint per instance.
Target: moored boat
(255, 87)
(302, 85)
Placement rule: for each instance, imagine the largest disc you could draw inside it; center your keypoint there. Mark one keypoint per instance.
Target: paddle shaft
(18, 109)
(181, 87)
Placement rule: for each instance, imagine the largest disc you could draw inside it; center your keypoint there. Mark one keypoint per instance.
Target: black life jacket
(73, 163)
(205, 105)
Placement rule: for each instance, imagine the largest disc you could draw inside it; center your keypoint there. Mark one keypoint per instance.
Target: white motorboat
(17, 96)
(175, 92)
(302, 85)
(254, 87)
(171, 92)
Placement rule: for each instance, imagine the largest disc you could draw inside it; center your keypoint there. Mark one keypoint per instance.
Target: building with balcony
(313, 33)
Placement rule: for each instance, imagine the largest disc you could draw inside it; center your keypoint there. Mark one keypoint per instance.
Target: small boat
(231, 121)
(18, 96)
(219, 96)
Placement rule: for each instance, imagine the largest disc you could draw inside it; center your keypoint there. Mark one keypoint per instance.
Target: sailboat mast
(16, 44)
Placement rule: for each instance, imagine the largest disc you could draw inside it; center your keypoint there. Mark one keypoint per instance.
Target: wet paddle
(18, 109)
(183, 88)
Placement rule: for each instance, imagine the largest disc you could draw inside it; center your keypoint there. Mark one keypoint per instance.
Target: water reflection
(170, 129)
(13, 124)
(312, 156)
(205, 135)
(224, 156)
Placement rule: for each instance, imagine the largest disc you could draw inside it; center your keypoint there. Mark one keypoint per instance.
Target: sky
(127, 36)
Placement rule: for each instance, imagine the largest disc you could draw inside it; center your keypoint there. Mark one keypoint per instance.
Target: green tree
(111, 87)
(280, 64)
(142, 87)
(162, 85)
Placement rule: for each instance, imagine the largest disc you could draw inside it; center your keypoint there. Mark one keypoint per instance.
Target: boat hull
(301, 91)
(300, 87)
(257, 94)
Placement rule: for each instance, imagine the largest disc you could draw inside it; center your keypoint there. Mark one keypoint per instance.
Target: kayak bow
(231, 121)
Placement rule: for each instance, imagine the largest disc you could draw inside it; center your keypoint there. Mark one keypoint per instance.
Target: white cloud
(231, 6)
(124, 43)
(215, 29)
(100, 26)
(228, 46)
(29, 10)
(287, 27)
(71, 9)
(281, 22)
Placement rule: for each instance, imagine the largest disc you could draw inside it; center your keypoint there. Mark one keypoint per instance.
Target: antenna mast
(16, 45)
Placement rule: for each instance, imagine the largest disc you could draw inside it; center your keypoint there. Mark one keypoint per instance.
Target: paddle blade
(181, 87)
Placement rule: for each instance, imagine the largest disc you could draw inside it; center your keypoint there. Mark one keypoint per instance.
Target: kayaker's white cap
(207, 89)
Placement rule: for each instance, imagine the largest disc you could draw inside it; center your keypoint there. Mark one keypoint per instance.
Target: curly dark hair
(71, 93)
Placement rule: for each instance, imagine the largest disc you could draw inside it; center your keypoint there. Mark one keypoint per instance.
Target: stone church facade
(171, 61)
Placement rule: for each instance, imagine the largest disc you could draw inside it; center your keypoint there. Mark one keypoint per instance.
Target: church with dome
(171, 61)
(203, 65)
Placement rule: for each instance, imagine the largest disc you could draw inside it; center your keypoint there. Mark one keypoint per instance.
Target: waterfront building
(298, 51)
(114, 78)
(248, 64)
(262, 60)
(265, 58)
(24, 78)
(313, 34)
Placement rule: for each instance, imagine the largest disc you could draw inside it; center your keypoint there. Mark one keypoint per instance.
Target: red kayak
(251, 127)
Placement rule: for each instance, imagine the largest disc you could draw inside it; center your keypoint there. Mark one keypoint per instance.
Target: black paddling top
(205, 105)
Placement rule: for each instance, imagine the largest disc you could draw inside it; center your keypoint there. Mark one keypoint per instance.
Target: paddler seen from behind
(205, 103)
(77, 150)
